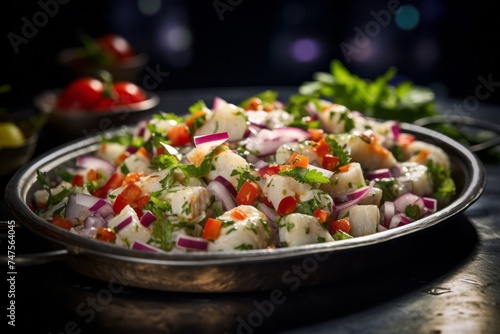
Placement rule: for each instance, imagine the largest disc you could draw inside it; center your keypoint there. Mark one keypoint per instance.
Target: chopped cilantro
(244, 174)
(338, 151)
(443, 185)
(412, 211)
(197, 106)
(267, 97)
(304, 175)
(389, 188)
(340, 235)
(244, 247)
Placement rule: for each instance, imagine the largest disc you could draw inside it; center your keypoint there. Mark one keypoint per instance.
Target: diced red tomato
(142, 201)
(322, 215)
(179, 135)
(122, 158)
(299, 160)
(212, 228)
(105, 234)
(61, 222)
(131, 192)
(114, 182)
(287, 206)
(340, 225)
(161, 150)
(345, 168)
(329, 162)
(77, 180)
(142, 152)
(238, 214)
(254, 104)
(92, 175)
(405, 139)
(120, 203)
(248, 193)
(316, 134)
(132, 177)
(321, 147)
(269, 170)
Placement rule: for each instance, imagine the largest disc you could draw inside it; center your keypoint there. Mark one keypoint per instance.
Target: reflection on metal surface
(438, 291)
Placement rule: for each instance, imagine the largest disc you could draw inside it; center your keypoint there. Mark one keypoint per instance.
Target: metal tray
(237, 271)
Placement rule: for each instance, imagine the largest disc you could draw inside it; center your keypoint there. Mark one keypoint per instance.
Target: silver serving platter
(236, 271)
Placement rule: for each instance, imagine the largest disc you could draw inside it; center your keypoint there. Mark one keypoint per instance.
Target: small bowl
(126, 70)
(79, 123)
(13, 157)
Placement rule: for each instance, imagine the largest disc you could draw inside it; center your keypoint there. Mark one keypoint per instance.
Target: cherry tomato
(341, 224)
(82, 94)
(129, 92)
(124, 93)
(115, 45)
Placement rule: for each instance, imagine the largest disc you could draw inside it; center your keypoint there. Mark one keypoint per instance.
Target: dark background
(449, 48)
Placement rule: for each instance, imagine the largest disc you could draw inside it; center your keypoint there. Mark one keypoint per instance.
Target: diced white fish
(187, 203)
(364, 219)
(136, 163)
(252, 232)
(337, 118)
(373, 197)
(229, 118)
(367, 151)
(418, 176)
(224, 163)
(130, 233)
(110, 151)
(420, 152)
(285, 151)
(345, 180)
(299, 229)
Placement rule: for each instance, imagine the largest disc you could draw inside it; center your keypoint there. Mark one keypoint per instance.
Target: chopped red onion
(395, 129)
(312, 110)
(220, 192)
(192, 243)
(261, 164)
(355, 196)
(147, 219)
(399, 220)
(127, 221)
(211, 140)
(226, 184)
(270, 213)
(137, 245)
(379, 174)
(388, 211)
(93, 162)
(266, 142)
(430, 204)
(218, 103)
(404, 200)
(95, 221)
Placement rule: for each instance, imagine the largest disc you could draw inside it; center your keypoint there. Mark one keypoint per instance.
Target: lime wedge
(10, 135)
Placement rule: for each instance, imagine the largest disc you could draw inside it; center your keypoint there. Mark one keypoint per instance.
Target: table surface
(448, 283)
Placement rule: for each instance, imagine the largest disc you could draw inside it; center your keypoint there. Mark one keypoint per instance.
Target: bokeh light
(175, 41)
(305, 50)
(149, 7)
(407, 17)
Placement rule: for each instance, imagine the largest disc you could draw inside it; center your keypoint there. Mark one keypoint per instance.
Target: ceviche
(254, 175)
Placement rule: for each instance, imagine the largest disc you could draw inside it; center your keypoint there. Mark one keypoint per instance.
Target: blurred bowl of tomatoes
(110, 52)
(89, 105)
